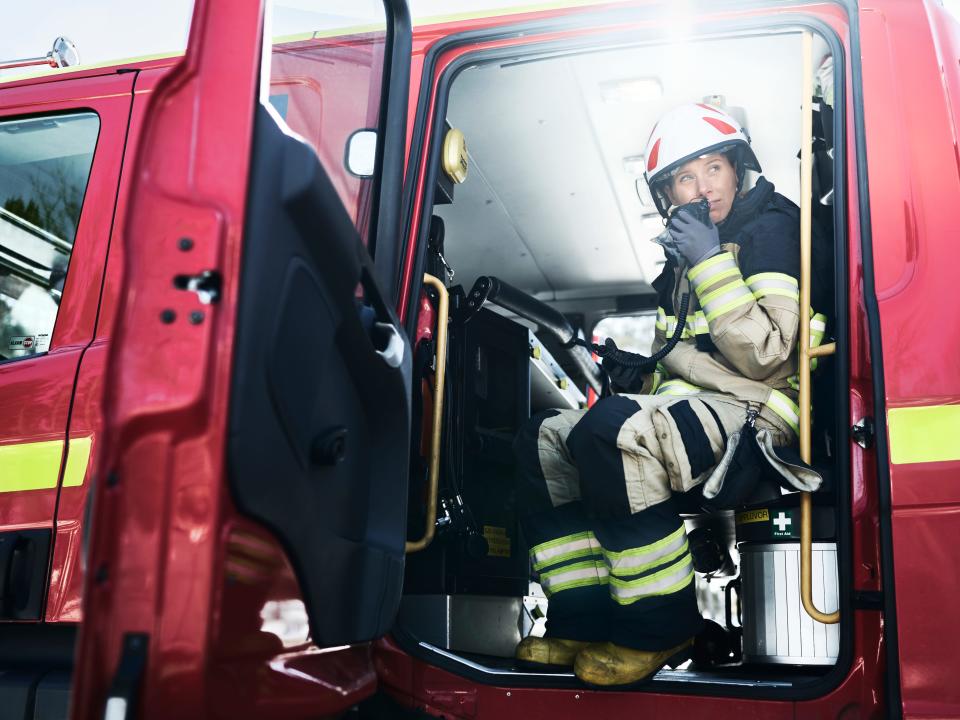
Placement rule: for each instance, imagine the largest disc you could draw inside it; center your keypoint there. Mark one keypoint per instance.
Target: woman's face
(712, 177)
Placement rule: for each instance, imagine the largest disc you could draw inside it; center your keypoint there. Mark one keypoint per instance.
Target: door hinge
(862, 432)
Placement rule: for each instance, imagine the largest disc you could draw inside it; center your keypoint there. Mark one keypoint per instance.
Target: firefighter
(600, 488)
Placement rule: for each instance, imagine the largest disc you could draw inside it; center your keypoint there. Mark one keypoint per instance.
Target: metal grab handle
(806, 191)
(443, 312)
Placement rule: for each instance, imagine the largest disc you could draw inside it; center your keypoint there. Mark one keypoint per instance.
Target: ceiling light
(646, 199)
(633, 90)
(634, 165)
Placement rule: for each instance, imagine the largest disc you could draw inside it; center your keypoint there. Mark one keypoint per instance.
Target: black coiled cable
(635, 360)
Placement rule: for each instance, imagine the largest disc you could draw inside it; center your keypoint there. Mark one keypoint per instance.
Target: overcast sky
(106, 30)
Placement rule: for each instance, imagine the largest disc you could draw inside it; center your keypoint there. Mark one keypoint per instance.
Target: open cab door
(257, 402)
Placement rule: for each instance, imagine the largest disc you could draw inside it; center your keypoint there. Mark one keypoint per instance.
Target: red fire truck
(268, 328)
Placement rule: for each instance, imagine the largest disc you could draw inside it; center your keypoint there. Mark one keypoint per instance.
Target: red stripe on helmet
(654, 154)
(711, 108)
(725, 128)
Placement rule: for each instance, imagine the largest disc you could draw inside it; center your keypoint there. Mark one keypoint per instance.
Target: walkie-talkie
(700, 209)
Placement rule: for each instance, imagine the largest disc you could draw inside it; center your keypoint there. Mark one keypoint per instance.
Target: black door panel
(319, 419)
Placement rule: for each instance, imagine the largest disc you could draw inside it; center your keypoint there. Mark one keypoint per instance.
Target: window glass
(326, 74)
(44, 167)
(631, 332)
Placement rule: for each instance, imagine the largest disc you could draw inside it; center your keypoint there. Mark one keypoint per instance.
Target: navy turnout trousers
(598, 511)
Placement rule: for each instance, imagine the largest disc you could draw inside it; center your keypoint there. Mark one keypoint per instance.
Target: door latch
(206, 284)
(862, 432)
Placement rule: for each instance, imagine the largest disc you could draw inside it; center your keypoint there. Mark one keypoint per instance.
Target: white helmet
(687, 132)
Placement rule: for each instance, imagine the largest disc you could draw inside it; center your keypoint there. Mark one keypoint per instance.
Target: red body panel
(911, 85)
(86, 418)
(172, 557)
(169, 556)
(37, 391)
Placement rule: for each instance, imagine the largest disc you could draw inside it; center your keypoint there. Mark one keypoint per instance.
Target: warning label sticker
(498, 542)
(42, 343)
(21, 342)
(752, 516)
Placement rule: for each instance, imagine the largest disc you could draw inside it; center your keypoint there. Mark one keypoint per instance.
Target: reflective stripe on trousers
(659, 568)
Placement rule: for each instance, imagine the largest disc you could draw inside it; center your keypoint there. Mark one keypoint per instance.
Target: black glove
(625, 369)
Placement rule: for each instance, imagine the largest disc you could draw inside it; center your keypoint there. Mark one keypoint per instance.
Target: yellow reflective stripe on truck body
(924, 434)
(36, 465)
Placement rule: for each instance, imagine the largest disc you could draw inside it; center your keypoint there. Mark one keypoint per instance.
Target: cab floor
(506, 669)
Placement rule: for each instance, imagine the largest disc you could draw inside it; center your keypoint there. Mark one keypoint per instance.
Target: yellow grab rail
(806, 352)
(443, 312)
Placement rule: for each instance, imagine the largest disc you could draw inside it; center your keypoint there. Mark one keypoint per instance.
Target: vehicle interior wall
(555, 204)
(556, 158)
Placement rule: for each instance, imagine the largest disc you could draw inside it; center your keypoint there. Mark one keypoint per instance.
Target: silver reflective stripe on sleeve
(581, 544)
(711, 270)
(818, 326)
(661, 319)
(666, 323)
(701, 327)
(773, 283)
(725, 299)
(696, 325)
(671, 579)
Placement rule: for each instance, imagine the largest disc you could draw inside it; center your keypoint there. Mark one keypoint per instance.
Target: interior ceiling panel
(549, 204)
(532, 141)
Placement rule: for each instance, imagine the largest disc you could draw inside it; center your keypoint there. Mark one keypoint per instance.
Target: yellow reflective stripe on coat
(924, 434)
(701, 326)
(818, 327)
(677, 387)
(786, 408)
(710, 268)
(696, 324)
(665, 323)
(722, 275)
(36, 466)
(724, 299)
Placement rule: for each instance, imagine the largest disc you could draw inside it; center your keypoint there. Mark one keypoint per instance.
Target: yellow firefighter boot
(607, 664)
(549, 651)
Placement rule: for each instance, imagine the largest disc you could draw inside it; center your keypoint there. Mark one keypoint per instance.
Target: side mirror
(361, 155)
(64, 53)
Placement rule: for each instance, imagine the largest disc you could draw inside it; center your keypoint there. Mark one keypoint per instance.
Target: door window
(44, 168)
(326, 78)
